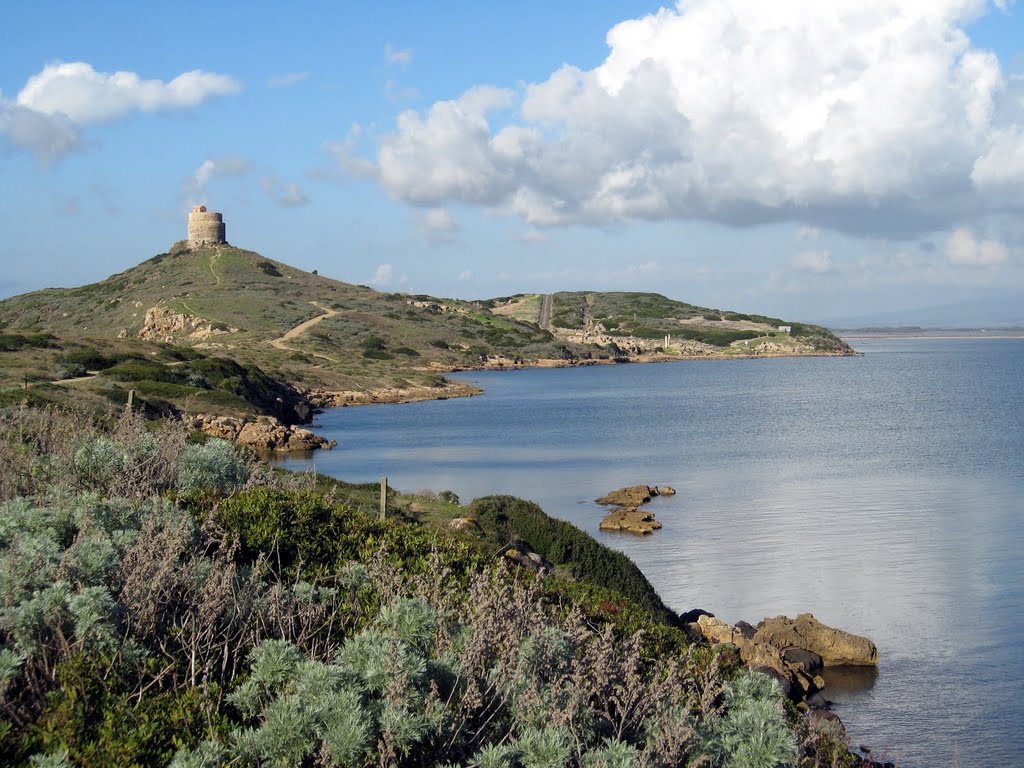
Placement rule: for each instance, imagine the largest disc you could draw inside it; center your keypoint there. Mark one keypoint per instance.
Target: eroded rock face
(163, 324)
(264, 433)
(834, 646)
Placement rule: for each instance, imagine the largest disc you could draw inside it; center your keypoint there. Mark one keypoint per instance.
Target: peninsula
(245, 347)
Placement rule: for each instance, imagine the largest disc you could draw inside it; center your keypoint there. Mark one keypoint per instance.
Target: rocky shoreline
(794, 652)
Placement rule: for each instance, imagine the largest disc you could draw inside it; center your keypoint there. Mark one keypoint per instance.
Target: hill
(223, 330)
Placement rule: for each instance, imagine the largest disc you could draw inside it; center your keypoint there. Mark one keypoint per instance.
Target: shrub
(504, 518)
(269, 268)
(211, 466)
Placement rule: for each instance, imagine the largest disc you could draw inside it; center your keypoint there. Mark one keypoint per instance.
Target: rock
(666, 490)
(834, 646)
(746, 629)
(631, 496)
(464, 524)
(808, 661)
(691, 616)
(265, 433)
(631, 520)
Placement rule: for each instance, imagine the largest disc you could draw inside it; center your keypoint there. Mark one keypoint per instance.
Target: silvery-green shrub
(212, 466)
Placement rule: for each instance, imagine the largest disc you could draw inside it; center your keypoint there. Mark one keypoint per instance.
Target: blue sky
(804, 159)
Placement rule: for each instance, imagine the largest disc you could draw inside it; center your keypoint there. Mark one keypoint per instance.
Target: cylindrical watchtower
(205, 227)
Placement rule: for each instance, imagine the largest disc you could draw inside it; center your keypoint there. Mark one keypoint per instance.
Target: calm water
(884, 494)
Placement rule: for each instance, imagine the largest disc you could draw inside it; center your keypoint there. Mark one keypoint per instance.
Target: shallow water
(881, 493)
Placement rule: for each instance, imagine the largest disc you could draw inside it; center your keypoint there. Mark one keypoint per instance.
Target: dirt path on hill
(544, 316)
(301, 328)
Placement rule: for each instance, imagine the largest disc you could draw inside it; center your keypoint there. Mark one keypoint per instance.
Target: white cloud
(47, 115)
(211, 168)
(963, 249)
(83, 95)
(466, 274)
(283, 81)
(851, 115)
(383, 276)
(807, 234)
(397, 55)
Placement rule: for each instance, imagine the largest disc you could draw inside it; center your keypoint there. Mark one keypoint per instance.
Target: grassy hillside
(193, 314)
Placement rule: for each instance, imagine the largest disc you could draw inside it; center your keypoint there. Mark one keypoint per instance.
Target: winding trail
(301, 328)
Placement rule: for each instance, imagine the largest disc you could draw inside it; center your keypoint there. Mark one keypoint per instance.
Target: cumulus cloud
(47, 115)
(83, 95)
(964, 249)
(816, 262)
(852, 115)
(383, 276)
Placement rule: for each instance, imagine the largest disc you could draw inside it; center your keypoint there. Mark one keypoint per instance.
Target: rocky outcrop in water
(627, 515)
(792, 650)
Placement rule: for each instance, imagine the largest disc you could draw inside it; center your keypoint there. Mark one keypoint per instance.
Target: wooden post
(131, 398)
(383, 497)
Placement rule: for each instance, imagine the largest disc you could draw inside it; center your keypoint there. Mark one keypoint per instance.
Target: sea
(883, 493)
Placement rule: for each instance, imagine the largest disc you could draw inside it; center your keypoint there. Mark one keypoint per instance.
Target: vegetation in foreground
(169, 602)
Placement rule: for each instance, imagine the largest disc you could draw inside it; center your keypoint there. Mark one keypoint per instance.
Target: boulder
(666, 490)
(631, 496)
(834, 646)
(630, 520)
(798, 658)
(464, 524)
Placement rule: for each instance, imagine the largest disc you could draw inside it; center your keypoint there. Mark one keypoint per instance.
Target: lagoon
(883, 493)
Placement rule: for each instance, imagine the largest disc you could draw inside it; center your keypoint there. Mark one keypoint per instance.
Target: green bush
(12, 342)
(504, 518)
(142, 370)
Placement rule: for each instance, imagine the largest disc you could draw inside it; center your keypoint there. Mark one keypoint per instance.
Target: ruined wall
(205, 227)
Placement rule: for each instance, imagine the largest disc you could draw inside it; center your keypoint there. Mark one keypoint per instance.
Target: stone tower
(205, 227)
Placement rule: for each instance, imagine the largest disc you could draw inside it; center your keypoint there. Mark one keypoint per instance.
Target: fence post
(131, 398)
(383, 497)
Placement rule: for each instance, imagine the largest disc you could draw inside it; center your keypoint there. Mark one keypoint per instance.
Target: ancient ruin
(205, 228)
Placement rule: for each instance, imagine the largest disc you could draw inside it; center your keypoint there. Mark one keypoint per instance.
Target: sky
(805, 159)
